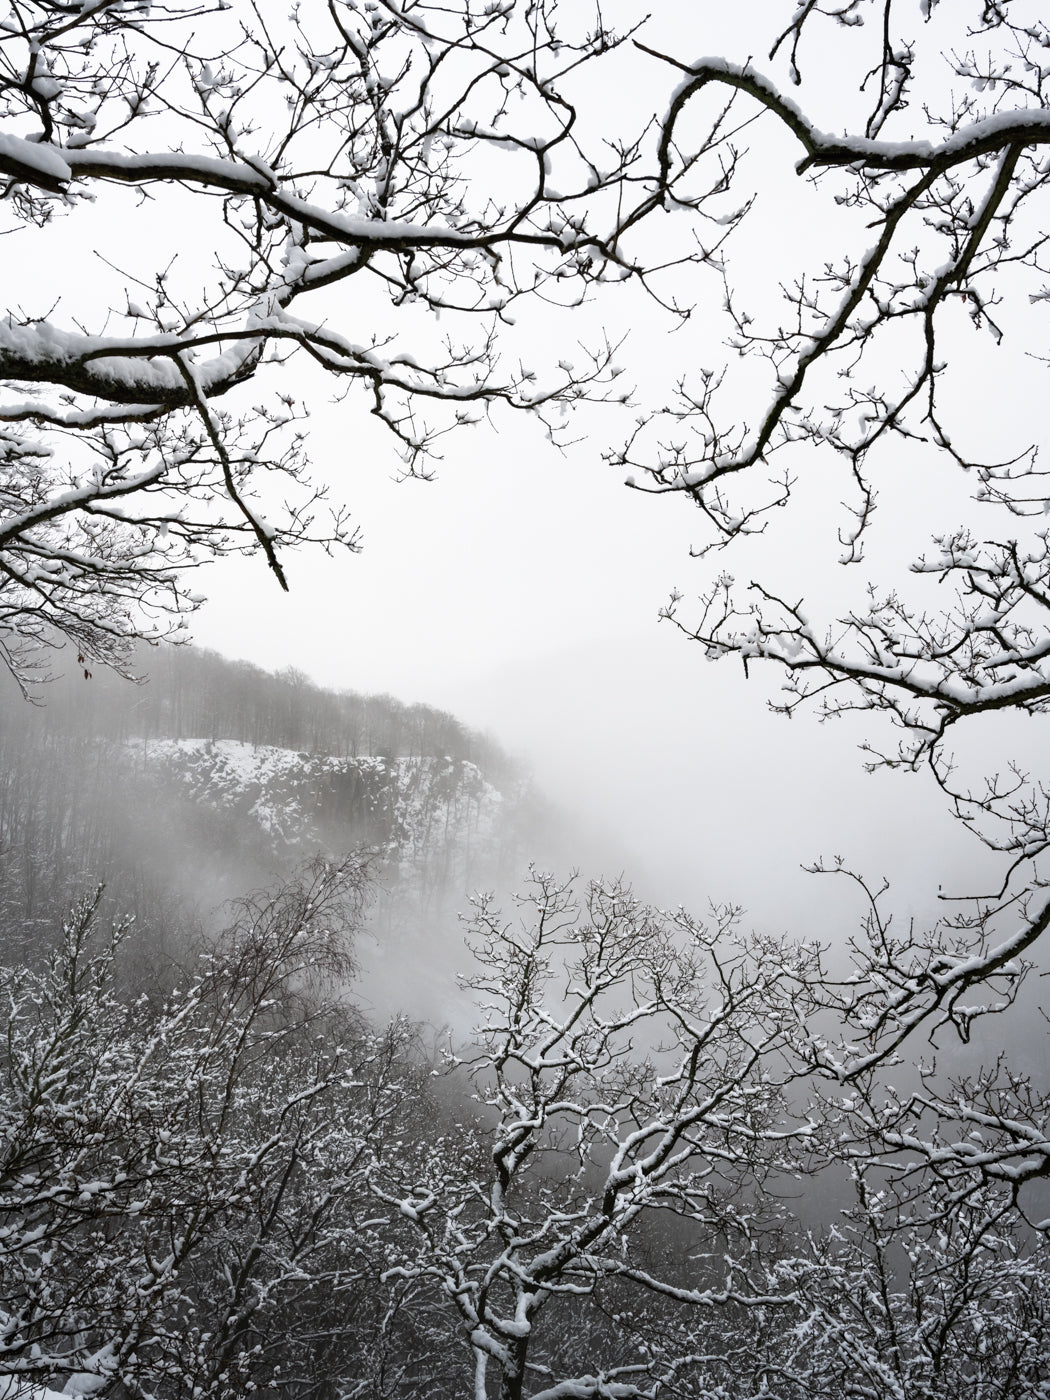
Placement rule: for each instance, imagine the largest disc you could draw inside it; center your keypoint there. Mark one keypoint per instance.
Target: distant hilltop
(212, 777)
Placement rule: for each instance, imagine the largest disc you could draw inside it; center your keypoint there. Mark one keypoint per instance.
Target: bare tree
(629, 1066)
(426, 155)
(180, 1182)
(946, 196)
(923, 171)
(914, 1292)
(286, 1206)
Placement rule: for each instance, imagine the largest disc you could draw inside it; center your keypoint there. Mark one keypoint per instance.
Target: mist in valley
(574, 929)
(214, 780)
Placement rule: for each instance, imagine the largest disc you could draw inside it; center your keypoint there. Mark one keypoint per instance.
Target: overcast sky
(521, 591)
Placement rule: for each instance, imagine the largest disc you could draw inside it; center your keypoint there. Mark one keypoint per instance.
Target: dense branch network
(423, 159)
(591, 1140)
(630, 1067)
(934, 199)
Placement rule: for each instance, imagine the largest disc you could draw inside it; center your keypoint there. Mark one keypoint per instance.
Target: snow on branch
(432, 155)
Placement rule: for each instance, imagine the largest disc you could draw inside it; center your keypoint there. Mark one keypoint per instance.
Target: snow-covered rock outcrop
(431, 820)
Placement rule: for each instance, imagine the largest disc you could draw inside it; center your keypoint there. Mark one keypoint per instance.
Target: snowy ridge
(429, 817)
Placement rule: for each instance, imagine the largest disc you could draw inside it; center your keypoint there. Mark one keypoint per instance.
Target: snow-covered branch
(430, 154)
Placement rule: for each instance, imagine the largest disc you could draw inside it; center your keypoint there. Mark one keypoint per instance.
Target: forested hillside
(782, 264)
(190, 692)
(256, 1178)
(211, 777)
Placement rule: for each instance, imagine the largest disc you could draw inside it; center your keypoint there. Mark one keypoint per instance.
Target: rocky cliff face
(428, 820)
(109, 782)
(434, 827)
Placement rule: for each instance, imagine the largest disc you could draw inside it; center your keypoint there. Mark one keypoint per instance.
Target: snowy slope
(431, 819)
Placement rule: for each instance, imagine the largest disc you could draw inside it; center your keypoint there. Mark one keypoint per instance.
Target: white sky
(521, 589)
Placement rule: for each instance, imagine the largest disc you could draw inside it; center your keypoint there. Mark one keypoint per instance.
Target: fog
(522, 592)
(522, 588)
(751, 1132)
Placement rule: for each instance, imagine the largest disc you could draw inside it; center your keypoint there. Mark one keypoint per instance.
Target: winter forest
(337, 1059)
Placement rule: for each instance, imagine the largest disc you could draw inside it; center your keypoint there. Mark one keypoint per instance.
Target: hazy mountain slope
(430, 819)
(192, 693)
(108, 782)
